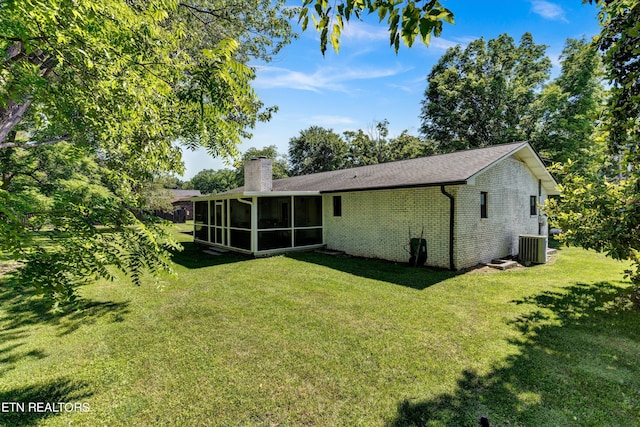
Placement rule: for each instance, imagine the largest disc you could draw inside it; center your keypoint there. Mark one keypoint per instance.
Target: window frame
(484, 205)
(337, 206)
(533, 205)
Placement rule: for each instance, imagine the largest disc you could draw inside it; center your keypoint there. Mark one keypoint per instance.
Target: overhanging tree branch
(211, 12)
(34, 144)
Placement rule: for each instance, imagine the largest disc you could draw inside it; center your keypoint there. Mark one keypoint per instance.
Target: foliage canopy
(568, 109)
(406, 20)
(120, 81)
(601, 210)
(482, 94)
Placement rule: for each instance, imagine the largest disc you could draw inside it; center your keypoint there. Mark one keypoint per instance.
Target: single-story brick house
(470, 206)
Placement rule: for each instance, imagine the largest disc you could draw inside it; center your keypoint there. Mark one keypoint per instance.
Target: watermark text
(44, 407)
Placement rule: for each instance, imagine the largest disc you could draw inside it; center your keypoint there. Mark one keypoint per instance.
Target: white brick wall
(379, 224)
(509, 185)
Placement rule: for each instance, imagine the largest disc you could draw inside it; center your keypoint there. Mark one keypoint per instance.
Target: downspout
(452, 211)
(538, 209)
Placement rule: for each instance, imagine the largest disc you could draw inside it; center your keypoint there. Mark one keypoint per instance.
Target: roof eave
(527, 154)
(280, 193)
(394, 187)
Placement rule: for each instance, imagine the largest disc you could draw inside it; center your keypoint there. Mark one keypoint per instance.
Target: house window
(484, 200)
(533, 205)
(240, 214)
(337, 205)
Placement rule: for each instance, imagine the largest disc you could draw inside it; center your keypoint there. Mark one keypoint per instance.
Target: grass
(310, 339)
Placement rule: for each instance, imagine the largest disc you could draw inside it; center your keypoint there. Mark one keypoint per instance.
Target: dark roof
(442, 169)
(184, 194)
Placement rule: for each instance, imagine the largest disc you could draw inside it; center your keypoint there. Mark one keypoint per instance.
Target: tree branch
(34, 144)
(211, 12)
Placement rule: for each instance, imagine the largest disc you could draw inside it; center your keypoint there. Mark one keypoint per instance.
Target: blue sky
(367, 82)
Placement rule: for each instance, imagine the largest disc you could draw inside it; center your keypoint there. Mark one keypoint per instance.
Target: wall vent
(532, 249)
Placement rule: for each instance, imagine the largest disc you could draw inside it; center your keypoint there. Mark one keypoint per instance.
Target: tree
(168, 181)
(316, 149)
(119, 70)
(601, 211)
(406, 146)
(156, 198)
(280, 165)
(361, 151)
(119, 80)
(567, 110)
(378, 133)
(375, 146)
(210, 181)
(482, 94)
(369, 148)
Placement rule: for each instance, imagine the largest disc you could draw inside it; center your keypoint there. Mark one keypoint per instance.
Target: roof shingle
(452, 168)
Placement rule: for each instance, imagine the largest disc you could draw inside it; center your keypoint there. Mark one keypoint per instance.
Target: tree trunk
(10, 117)
(15, 109)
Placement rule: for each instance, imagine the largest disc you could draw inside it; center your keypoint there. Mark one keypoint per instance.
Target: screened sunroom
(254, 219)
(259, 224)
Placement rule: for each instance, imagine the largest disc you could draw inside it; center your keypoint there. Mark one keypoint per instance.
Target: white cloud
(360, 31)
(323, 79)
(555, 59)
(328, 120)
(548, 10)
(438, 44)
(410, 86)
(465, 40)
(442, 44)
(273, 77)
(404, 88)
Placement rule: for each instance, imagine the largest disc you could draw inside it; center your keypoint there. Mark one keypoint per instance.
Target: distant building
(182, 207)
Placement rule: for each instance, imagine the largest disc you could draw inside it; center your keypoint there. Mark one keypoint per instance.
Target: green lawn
(310, 339)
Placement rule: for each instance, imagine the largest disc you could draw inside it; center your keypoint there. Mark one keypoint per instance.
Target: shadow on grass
(192, 257)
(400, 274)
(577, 365)
(21, 402)
(21, 308)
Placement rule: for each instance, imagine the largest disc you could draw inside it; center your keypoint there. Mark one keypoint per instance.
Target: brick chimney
(258, 175)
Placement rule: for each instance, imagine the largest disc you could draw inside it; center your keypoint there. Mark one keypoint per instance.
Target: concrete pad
(503, 264)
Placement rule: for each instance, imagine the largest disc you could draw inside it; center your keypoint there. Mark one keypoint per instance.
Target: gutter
(452, 207)
(393, 187)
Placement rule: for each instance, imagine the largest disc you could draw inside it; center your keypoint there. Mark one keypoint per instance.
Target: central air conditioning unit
(532, 249)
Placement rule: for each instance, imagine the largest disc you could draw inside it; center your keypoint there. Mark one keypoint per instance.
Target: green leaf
(335, 42)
